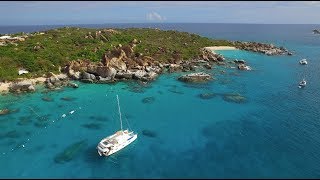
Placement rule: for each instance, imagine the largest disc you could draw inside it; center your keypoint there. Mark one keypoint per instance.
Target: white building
(23, 71)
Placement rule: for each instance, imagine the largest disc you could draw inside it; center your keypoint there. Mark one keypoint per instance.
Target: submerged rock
(47, 99)
(12, 134)
(93, 126)
(25, 120)
(4, 111)
(244, 67)
(174, 90)
(41, 124)
(148, 100)
(68, 98)
(43, 118)
(207, 95)
(235, 98)
(99, 118)
(70, 152)
(195, 78)
(149, 133)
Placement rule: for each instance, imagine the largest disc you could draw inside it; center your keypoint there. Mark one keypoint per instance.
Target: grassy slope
(66, 44)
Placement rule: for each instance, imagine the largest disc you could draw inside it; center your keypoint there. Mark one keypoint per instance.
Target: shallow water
(274, 133)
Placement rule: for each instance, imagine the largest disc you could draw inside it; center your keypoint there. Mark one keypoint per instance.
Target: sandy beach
(4, 87)
(213, 48)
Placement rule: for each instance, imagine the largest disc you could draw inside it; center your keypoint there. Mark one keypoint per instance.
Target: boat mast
(119, 112)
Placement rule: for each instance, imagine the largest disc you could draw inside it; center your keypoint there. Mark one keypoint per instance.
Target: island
(55, 56)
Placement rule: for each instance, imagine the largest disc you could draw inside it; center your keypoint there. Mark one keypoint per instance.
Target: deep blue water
(273, 134)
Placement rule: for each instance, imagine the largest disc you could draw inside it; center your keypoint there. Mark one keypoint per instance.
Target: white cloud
(153, 16)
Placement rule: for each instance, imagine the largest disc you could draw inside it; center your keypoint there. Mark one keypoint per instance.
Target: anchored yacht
(116, 141)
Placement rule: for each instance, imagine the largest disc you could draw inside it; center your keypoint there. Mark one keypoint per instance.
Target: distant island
(55, 56)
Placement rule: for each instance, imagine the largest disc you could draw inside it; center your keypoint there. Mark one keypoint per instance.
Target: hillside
(40, 53)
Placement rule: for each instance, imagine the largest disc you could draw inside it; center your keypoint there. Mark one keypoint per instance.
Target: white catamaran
(116, 141)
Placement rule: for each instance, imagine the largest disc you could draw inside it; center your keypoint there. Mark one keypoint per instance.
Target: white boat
(303, 61)
(116, 141)
(302, 83)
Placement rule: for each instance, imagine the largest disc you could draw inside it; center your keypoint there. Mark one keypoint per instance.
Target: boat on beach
(116, 141)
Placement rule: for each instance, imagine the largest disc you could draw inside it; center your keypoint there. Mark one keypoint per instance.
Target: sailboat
(116, 141)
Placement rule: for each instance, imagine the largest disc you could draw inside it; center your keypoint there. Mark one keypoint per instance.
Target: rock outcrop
(268, 49)
(208, 55)
(195, 77)
(4, 111)
(118, 64)
(56, 81)
(22, 86)
(244, 67)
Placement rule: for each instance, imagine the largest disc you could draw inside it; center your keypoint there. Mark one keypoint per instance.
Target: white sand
(212, 48)
(4, 87)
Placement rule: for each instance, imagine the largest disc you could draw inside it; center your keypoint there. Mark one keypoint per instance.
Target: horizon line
(155, 23)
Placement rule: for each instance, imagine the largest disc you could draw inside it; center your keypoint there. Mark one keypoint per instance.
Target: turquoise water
(274, 133)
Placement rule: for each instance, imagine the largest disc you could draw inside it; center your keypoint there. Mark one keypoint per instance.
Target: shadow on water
(92, 156)
(149, 133)
(148, 100)
(93, 126)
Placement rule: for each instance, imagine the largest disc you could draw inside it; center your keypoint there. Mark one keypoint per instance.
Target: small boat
(303, 61)
(302, 83)
(116, 141)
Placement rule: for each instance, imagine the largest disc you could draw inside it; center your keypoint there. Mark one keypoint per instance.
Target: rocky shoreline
(268, 49)
(122, 64)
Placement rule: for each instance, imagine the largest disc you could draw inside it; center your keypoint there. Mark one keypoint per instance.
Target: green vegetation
(41, 53)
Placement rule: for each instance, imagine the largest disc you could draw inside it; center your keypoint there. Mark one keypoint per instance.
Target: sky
(101, 12)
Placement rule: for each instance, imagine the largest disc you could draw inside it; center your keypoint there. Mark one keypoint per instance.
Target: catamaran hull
(118, 148)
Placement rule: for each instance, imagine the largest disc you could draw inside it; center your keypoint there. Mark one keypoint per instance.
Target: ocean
(272, 129)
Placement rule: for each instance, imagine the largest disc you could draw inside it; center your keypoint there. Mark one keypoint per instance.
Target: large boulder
(175, 68)
(124, 75)
(195, 78)
(62, 77)
(85, 75)
(55, 81)
(22, 86)
(102, 71)
(139, 74)
(115, 59)
(150, 76)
